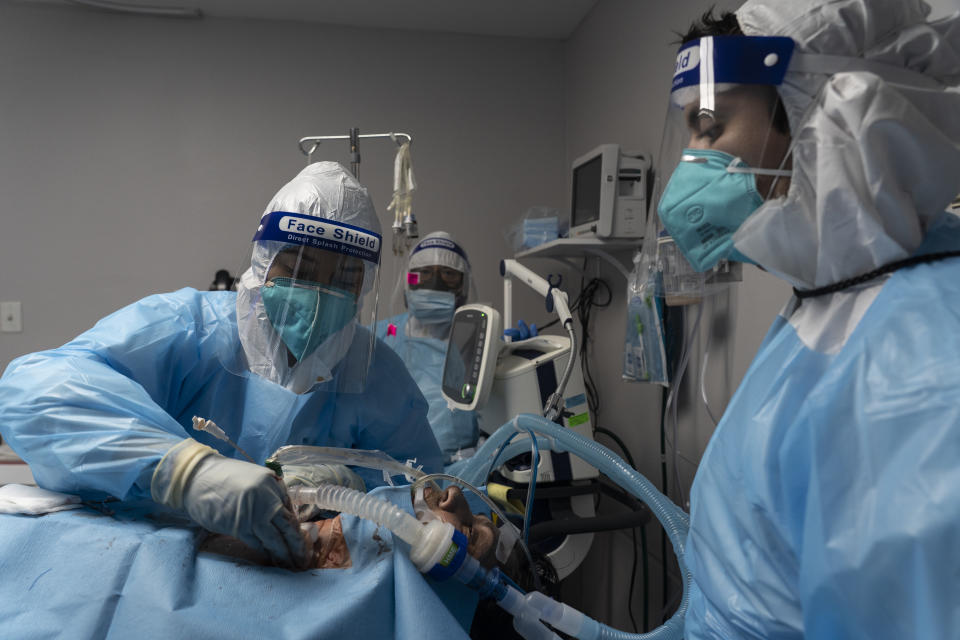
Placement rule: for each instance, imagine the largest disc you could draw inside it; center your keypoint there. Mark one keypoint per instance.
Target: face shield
(725, 150)
(491, 538)
(436, 279)
(307, 299)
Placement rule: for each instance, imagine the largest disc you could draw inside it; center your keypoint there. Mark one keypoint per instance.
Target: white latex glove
(233, 497)
(314, 475)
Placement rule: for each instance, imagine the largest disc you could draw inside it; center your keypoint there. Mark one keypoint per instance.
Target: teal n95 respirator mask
(705, 202)
(306, 314)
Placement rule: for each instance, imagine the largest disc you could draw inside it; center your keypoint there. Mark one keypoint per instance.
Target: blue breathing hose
(675, 521)
(535, 460)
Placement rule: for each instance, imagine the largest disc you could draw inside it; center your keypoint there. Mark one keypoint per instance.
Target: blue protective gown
(827, 502)
(454, 429)
(96, 415)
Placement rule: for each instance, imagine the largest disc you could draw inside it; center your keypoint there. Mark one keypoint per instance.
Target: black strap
(866, 277)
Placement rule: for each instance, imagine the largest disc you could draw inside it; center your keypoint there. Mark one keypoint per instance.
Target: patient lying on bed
(330, 549)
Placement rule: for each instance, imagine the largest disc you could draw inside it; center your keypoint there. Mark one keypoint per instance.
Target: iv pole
(404, 223)
(354, 138)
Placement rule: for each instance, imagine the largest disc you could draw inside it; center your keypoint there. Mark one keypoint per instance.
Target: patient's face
(324, 538)
(330, 548)
(482, 535)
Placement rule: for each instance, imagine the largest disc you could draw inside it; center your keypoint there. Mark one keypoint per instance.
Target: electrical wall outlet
(11, 320)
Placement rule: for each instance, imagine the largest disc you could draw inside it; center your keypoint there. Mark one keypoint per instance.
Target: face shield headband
(320, 233)
(708, 65)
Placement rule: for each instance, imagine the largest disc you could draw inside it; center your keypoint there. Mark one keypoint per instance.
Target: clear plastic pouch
(644, 353)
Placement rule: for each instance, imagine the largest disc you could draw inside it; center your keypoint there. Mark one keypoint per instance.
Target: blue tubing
(675, 521)
(535, 458)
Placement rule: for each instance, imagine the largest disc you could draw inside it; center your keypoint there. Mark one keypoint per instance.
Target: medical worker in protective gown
(289, 358)
(435, 282)
(821, 145)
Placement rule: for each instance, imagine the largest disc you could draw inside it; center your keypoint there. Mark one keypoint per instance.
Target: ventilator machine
(535, 376)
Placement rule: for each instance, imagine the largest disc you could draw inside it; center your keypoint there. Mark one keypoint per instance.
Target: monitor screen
(586, 192)
(461, 368)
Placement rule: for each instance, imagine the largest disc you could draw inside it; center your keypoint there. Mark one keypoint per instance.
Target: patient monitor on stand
(539, 376)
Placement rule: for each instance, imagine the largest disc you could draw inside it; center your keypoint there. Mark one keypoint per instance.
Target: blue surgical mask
(430, 306)
(305, 313)
(704, 205)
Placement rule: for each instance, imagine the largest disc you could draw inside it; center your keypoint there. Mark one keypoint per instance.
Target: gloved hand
(522, 332)
(233, 497)
(313, 475)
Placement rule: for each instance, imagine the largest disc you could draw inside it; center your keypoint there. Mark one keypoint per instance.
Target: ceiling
(520, 18)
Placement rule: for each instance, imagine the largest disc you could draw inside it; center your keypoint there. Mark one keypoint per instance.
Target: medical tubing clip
(548, 299)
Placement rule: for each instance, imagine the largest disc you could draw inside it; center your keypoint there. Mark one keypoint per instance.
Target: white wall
(137, 153)
(942, 8)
